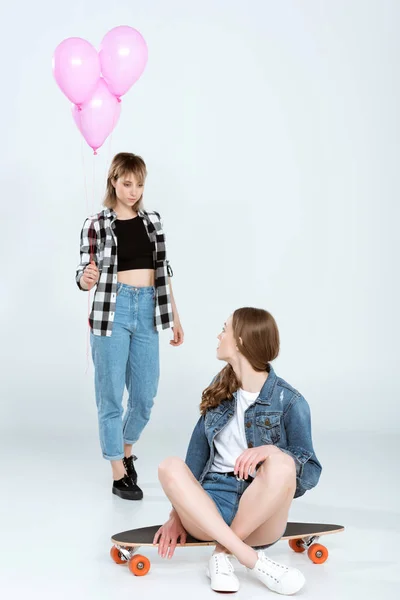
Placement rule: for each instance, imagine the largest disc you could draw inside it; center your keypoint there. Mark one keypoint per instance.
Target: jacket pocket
(269, 428)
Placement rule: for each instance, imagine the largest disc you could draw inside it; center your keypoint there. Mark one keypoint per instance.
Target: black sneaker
(126, 489)
(130, 468)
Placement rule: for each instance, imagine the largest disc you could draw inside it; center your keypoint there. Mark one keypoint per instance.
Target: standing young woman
(250, 454)
(123, 253)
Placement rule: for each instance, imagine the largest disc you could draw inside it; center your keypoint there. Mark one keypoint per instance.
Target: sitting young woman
(250, 454)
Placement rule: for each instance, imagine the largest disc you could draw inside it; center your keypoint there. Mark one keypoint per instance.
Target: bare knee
(280, 466)
(170, 468)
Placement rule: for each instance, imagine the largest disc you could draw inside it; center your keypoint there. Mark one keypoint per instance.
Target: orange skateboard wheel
(117, 556)
(296, 545)
(318, 554)
(139, 565)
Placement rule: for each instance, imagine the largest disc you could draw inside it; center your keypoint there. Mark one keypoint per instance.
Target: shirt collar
(265, 396)
(110, 213)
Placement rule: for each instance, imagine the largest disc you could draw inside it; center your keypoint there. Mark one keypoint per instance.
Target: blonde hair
(122, 164)
(257, 337)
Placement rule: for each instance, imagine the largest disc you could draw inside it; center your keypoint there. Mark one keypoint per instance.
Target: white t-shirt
(231, 441)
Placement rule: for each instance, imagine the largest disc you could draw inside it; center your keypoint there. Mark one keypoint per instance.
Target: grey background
(270, 131)
(271, 134)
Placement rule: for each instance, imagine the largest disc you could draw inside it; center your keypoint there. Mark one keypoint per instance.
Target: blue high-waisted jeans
(130, 356)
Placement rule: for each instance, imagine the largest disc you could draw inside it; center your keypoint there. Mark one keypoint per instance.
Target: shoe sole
(225, 591)
(127, 495)
(289, 591)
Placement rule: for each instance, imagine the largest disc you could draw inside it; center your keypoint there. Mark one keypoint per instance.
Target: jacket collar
(267, 389)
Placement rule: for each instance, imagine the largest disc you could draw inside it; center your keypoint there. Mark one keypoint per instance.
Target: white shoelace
(223, 565)
(272, 568)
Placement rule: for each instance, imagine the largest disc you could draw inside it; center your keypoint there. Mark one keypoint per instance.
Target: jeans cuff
(118, 457)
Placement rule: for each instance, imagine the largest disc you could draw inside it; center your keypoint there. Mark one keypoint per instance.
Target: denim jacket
(280, 416)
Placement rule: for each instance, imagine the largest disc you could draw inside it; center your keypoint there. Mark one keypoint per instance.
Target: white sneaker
(277, 578)
(220, 571)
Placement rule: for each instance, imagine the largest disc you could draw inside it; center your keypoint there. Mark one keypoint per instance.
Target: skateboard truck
(126, 553)
(307, 541)
(137, 564)
(317, 553)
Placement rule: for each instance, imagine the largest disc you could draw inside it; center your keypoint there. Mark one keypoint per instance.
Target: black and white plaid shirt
(99, 243)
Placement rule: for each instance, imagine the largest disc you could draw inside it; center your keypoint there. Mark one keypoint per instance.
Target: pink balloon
(76, 68)
(123, 57)
(76, 113)
(97, 117)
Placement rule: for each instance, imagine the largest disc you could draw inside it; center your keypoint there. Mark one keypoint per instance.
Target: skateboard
(302, 537)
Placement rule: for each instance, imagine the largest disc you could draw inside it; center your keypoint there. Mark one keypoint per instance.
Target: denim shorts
(226, 492)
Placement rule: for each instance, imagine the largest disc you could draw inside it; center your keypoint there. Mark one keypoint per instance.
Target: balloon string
(111, 135)
(88, 337)
(94, 185)
(91, 236)
(92, 242)
(90, 249)
(85, 178)
(109, 149)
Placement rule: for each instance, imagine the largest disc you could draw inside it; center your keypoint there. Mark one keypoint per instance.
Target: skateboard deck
(301, 536)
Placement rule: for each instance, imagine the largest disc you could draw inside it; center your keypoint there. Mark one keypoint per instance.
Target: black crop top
(135, 250)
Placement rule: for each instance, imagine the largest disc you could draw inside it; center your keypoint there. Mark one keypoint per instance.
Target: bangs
(139, 174)
(127, 164)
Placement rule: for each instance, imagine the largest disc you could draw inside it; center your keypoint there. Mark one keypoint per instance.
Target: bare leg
(128, 450)
(263, 509)
(198, 513)
(118, 469)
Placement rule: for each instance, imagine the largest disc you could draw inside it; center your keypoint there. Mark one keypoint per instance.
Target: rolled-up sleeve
(297, 420)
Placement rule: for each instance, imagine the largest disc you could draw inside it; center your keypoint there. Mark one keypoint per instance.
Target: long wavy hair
(123, 164)
(257, 338)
